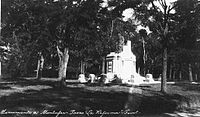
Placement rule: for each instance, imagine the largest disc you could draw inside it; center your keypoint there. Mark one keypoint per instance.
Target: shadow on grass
(4, 87)
(188, 86)
(43, 95)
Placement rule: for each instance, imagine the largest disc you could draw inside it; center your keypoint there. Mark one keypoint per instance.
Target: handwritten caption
(101, 113)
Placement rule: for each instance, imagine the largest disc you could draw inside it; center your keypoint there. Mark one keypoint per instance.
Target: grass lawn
(24, 97)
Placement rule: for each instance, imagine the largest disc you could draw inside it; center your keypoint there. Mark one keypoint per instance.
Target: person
(82, 78)
(101, 79)
(92, 78)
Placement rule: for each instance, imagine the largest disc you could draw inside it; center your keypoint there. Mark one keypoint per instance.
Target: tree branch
(164, 2)
(169, 9)
(154, 6)
(161, 3)
(111, 29)
(59, 52)
(172, 7)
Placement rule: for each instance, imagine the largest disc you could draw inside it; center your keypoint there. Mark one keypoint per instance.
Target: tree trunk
(180, 75)
(0, 70)
(179, 72)
(40, 66)
(170, 72)
(174, 75)
(103, 66)
(144, 56)
(148, 71)
(144, 52)
(63, 61)
(196, 76)
(190, 73)
(196, 71)
(164, 73)
(152, 67)
(138, 70)
(82, 69)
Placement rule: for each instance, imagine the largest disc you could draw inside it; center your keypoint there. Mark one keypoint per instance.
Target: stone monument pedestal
(122, 64)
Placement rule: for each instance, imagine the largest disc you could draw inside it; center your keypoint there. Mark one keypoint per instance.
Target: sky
(128, 13)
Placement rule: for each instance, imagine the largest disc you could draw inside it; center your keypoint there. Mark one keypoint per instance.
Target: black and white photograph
(100, 58)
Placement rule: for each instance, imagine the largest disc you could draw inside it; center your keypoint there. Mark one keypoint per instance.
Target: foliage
(187, 18)
(91, 31)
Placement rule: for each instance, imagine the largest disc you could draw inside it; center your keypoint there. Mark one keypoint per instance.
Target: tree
(40, 66)
(25, 30)
(187, 18)
(159, 21)
(68, 27)
(143, 34)
(76, 27)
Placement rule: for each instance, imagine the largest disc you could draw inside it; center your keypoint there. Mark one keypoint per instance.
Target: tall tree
(157, 18)
(68, 27)
(25, 30)
(159, 21)
(76, 31)
(143, 34)
(187, 17)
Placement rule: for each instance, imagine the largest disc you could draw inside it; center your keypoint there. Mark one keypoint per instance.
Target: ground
(24, 97)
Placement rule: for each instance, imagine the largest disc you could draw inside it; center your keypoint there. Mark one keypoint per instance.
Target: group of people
(92, 78)
(107, 79)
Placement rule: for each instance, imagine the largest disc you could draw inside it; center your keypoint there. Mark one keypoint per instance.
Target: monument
(123, 65)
